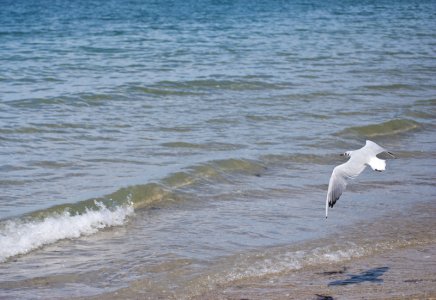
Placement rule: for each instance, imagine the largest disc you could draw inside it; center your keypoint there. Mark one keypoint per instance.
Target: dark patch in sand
(413, 280)
(418, 280)
(328, 273)
(371, 275)
(323, 297)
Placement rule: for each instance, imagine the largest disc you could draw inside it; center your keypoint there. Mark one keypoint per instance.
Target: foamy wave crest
(20, 237)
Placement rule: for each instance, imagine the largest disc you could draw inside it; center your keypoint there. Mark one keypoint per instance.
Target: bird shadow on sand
(371, 275)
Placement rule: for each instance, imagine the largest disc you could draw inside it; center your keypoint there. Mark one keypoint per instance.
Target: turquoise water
(156, 142)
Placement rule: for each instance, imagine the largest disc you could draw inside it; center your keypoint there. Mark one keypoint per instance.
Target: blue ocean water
(180, 134)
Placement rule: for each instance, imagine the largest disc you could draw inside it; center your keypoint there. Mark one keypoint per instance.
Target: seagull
(359, 159)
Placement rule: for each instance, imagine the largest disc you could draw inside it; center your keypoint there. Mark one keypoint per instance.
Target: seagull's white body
(359, 159)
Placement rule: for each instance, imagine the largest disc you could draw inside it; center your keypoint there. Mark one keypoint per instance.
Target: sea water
(162, 148)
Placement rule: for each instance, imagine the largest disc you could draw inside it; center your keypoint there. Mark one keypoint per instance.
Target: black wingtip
(392, 155)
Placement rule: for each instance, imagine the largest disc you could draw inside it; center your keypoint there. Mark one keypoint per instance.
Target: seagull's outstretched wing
(373, 149)
(338, 181)
(337, 185)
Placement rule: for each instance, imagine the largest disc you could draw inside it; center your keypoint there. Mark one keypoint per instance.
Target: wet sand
(408, 273)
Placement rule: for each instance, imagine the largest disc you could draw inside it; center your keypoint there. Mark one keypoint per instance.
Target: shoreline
(406, 273)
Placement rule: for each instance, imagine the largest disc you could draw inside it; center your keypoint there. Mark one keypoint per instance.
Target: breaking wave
(22, 236)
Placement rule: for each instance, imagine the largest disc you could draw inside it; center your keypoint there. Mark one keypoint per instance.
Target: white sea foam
(20, 237)
(293, 260)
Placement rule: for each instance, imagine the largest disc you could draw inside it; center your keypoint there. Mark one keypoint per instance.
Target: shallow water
(149, 148)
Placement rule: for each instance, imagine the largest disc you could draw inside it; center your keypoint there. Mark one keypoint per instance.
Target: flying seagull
(359, 159)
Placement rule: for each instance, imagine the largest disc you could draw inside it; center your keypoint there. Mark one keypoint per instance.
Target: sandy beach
(408, 273)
